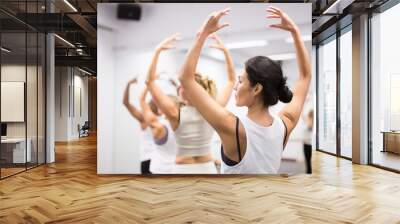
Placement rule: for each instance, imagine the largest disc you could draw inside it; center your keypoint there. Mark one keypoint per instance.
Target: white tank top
(146, 145)
(163, 157)
(194, 134)
(264, 148)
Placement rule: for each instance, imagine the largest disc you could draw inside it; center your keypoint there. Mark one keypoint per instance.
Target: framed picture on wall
(12, 101)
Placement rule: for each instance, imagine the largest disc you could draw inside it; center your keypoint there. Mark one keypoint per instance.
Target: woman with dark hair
(251, 144)
(192, 132)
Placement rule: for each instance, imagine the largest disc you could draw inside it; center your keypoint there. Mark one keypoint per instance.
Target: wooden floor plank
(70, 191)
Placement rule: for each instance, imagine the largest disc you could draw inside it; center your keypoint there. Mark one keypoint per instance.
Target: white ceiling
(247, 23)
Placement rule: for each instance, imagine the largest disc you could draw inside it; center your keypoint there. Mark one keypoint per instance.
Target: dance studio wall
(105, 96)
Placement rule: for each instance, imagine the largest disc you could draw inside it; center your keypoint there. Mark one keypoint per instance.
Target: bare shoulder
(288, 120)
(229, 125)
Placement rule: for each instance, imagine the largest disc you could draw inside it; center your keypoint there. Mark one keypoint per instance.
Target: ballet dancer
(192, 133)
(163, 157)
(307, 142)
(251, 144)
(147, 144)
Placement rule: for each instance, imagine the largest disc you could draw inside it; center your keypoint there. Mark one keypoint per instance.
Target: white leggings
(195, 168)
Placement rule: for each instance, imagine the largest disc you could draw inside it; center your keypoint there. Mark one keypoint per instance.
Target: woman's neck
(260, 114)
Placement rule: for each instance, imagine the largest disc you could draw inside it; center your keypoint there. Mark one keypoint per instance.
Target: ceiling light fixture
(64, 40)
(70, 5)
(5, 50)
(337, 7)
(282, 57)
(303, 37)
(246, 44)
(84, 71)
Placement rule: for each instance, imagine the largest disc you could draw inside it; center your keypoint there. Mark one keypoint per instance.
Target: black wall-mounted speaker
(129, 11)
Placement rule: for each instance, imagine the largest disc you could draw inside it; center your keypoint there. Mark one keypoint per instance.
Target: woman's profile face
(244, 95)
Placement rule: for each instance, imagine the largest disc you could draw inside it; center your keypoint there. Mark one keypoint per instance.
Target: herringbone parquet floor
(70, 191)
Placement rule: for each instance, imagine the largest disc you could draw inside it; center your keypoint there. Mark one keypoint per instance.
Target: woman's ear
(257, 89)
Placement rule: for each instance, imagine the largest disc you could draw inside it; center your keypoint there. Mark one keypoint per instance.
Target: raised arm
(225, 93)
(213, 112)
(292, 111)
(132, 109)
(163, 102)
(150, 118)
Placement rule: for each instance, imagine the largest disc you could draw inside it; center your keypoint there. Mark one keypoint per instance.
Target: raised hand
(169, 42)
(132, 81)
(218, 42)
(212, 24)
(286, 22)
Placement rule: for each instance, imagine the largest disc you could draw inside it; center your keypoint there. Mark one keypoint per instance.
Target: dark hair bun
(285, 95)
(268, 73)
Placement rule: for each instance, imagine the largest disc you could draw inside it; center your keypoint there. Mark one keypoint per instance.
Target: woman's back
(193, 135)
(264, 148)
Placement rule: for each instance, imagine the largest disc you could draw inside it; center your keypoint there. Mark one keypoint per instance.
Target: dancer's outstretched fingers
(274, 9)
(212, 24)
(218, 42)
(285, 24)
(223, 12)
(168, 43)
